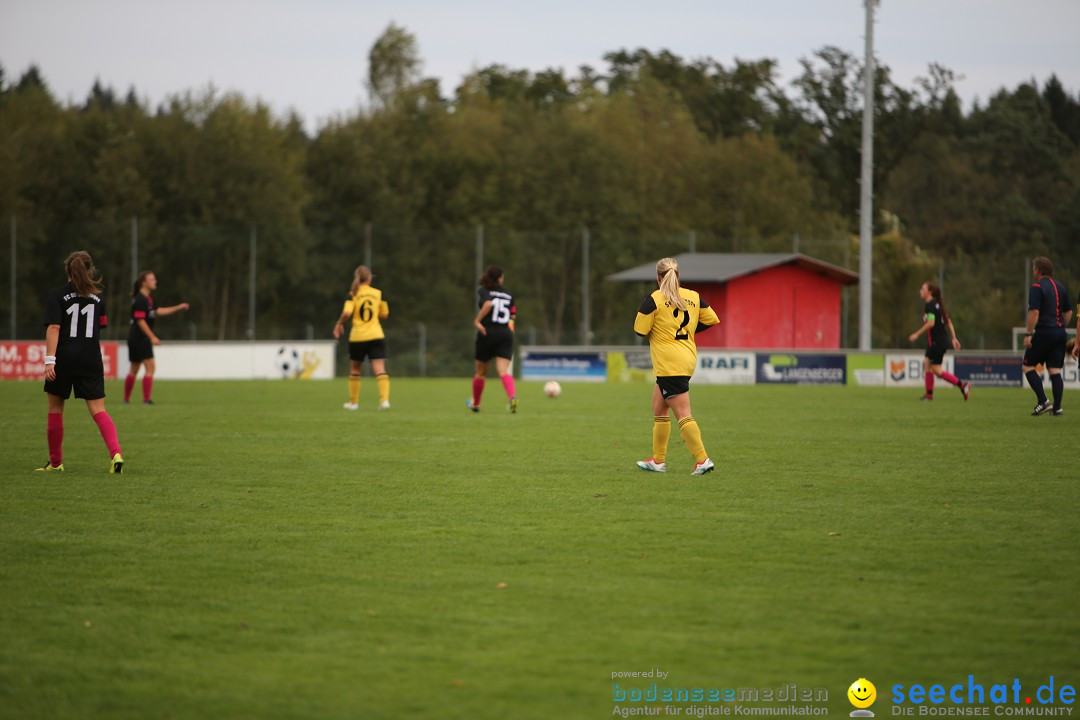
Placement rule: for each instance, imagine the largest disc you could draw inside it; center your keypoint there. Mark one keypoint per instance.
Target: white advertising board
(717, 367)
(240, 360)
(908, 370)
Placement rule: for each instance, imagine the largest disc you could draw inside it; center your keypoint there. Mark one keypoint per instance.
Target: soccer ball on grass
(552, 389)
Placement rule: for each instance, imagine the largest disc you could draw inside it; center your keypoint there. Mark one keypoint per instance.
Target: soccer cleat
(148, 402)
(116, 465)
(474, 408)
(49, 467)
(384, 405)
(652, 466)
(1059, 412)
(351, 406)
(513, 404)
(1042, 407)
(965, 390)
(703, 467)
(927, 397)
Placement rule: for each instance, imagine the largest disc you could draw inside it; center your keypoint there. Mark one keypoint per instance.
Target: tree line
(645, 156)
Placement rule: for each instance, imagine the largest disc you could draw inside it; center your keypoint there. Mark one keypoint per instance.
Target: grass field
(268, 555)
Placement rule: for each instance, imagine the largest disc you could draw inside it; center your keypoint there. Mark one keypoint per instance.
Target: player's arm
(646, 314)
(384, 309)
(707, 318)
(172, 309)
(484, 310)
(952, 332)
(1032, 321)
(930, 318)
(52, 339)
(346, 313)
(141, 323)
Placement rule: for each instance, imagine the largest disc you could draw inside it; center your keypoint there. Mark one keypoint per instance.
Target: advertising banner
(990, 371)
(564, 366)
(245, 360)
(725, 368)
(866, 370)
(800, 369)
(907, 370)
(630, 365)
(25, 359)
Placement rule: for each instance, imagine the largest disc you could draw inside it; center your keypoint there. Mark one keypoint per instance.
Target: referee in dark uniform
(1049, 312)
(74, 317)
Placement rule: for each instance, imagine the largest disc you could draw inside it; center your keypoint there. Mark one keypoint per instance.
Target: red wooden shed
(763, 300)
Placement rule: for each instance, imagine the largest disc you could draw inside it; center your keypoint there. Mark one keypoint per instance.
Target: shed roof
(722, 267)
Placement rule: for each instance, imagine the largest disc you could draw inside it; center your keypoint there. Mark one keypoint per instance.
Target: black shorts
(140, 348)
(673, 385)
(374, 349)
(1047, 348)
(498, 343)
(934, 355)
(86, 387)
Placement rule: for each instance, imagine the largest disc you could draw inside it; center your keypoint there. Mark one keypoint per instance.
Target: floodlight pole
(866, 201)
(14, 275)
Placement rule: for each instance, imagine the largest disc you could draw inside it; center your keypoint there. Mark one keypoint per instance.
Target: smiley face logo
(862, 693)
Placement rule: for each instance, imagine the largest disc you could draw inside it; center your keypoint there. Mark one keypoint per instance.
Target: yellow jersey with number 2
(671, 331)
(366, 308)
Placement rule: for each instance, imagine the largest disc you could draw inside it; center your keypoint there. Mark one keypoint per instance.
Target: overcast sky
(311, 55)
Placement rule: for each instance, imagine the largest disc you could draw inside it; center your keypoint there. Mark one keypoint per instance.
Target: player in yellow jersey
(670, 318)
(366, 307)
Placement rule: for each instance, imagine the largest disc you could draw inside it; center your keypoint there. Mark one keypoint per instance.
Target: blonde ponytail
(667, 273)
(361, 276)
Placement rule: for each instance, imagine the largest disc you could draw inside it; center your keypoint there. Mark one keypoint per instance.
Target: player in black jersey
(141, 337)
(1049, 312)
(494, 336)
(74, 316)
(935, 322)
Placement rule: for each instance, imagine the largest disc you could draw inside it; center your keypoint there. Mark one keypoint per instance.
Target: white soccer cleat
(384, 405)
(703, 467)
(652, 466)
(351, 406)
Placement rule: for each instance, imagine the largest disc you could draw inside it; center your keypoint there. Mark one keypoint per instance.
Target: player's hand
(481, 328)
(184, 306)
(1027, 341)
(1076, 350)
(155, 340)
(337, 331)
(912, 337)
(50, 372)
(955, 344)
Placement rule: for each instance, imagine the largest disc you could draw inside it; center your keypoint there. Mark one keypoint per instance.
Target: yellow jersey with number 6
(671, 331)
(366, 307)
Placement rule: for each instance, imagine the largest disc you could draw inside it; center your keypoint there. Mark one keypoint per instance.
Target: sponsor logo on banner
(25, 360)
(990, 371)
(564, 366)
(725, 368)
(800, 369)
(910, 370)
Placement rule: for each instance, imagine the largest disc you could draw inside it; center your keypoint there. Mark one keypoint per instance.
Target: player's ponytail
(935, 292)
(361, 276)
(667, 275)
(490, 278)
(137, 288)
(82, 274)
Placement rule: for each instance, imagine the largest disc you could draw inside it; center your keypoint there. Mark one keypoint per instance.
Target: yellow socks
(384, 387)
(354, 389)
(691, 435)
(661, 431)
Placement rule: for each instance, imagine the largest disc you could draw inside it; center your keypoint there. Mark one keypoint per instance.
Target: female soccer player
(74, 316)
(494, 336)
(670, 318)
(366, 306)
(141, 337)
(935, 322)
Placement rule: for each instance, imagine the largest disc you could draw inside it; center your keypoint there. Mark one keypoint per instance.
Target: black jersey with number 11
(80, 318)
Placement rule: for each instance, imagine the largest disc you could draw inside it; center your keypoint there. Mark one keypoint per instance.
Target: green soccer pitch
(267, 554)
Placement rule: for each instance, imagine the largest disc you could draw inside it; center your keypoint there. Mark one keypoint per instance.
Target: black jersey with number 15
(502, 307)
(80, 319)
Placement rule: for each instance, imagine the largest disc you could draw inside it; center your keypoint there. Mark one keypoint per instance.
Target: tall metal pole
(13, 275)
(251, 288)
(586, 331)
(367, 244)
(693, 241)
(134, 248)
(866, 201)
(479, 250)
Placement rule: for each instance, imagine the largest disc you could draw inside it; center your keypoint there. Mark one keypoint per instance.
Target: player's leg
(1055, 363)
(148, 380)
(382, 379)
(689, 430)
(54, 432)
(1034, 356)
(478, 383)
(129, 381)
(928, 375)
(108, 433)
(356, 362)
(502, 367)
(661, 432)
